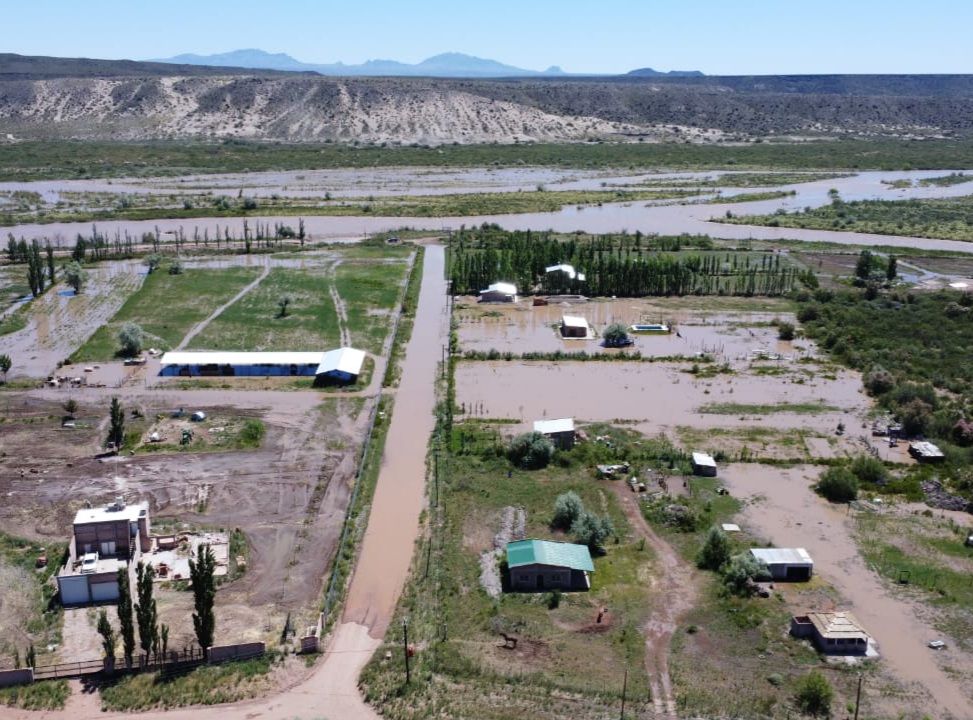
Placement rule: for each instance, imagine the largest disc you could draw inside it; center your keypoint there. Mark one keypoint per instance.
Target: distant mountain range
(449, 65)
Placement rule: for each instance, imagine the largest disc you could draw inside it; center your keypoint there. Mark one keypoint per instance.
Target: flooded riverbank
(668, 219)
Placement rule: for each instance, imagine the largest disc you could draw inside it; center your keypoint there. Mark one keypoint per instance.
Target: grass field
(70, 159)
(254, 323)
(562, 651)
(370, 289)
(926, 557)
(208, 685)
(46, 695)
(167, 307)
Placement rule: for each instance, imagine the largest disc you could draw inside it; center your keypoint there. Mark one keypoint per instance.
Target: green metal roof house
(538, 565)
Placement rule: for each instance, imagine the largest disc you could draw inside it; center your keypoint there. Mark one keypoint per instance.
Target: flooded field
(781, 509)
(756, 390)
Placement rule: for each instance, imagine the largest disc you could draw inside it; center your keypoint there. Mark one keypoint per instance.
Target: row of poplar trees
(153, 637)
(621, 265)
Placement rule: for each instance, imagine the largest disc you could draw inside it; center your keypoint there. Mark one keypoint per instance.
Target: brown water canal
(393, 523)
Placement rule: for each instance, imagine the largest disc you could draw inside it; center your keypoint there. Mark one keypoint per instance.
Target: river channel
(661, 218)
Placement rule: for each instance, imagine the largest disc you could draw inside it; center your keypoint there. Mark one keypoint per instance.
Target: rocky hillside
(300, 107)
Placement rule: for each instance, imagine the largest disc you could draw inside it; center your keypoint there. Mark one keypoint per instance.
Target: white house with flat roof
(703, 464)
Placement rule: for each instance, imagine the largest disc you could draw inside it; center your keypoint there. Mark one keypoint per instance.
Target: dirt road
(675, 591)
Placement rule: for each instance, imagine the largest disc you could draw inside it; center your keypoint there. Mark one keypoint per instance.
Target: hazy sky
(718, 37)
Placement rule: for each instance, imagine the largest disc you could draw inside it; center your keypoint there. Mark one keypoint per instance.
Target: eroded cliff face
(305, 108)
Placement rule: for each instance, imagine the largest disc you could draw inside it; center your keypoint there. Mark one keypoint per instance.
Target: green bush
(252, 433)
(868, 470)
(740, 571)
(531, 451)
(567, 508)
(715, 552)
(838, 485)
(814, 694)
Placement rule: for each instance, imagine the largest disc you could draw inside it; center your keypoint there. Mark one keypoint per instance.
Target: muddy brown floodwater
(388, 545)
(661, 396)
(783, 510)
(672, 218)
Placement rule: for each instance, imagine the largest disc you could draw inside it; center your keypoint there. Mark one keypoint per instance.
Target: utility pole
(858, 697)
(405, 648)
(624, 688)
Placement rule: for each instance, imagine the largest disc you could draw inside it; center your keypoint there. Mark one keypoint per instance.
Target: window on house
(556, 577)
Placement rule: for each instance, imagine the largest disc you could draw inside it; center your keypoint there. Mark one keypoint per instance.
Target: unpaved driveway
(674, 592)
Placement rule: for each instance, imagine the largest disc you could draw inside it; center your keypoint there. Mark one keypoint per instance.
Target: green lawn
(167, 307)
(254, 323)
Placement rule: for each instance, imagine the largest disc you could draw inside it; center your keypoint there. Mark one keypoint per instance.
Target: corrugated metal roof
(547, 552)
(567, 270)
(703, 460)
(346, 360)
(574, 321)
(241, 358)
(501, 287)
(782, 556)
(547, 427)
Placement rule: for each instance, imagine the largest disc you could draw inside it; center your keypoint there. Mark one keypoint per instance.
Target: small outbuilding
(538, 565)
(703, 464)
(560, 432)
(786, 563)
(573, 326)
(341, 366)
(925, 452)
(567, 270)
(499, 292)
(834, 633)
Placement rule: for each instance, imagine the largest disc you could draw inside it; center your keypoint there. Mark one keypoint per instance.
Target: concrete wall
(16, 677)
(219, 653)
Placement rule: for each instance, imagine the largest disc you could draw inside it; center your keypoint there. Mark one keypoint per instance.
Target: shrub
(252, 433)
(785, 330)
(814, 694)
(837, 484)
(715, 552)
(591, 530)
(878, 382)
(868, 470)
(567, 508)
(740, 572)
(131, 337)
(530, 451)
